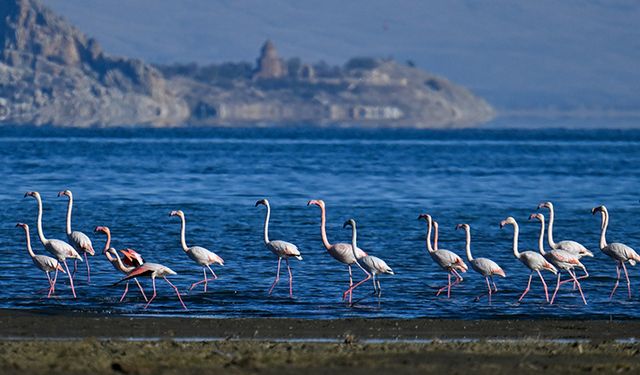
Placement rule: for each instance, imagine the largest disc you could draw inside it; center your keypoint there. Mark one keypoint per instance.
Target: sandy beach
(49, 343)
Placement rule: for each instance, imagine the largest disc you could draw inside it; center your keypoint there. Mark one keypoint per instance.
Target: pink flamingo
(80, 242)
(281, 249)
(484, 266)
(372, 266)
(114, 258)
(198, 254)
(43, 262)
(531, 259)
(341, 252)
(561, 259)
(619, 252)
(60, 249)
(446, 259)
(571, 246)
(153, 270)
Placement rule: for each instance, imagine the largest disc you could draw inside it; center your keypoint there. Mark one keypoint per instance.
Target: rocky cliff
(51, 73)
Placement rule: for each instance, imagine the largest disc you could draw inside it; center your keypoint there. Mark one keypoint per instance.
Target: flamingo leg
(375, 287)
(448, 286)
(528, 287)
(277, 277)
(86, 260)
(215, 277)
(544, 284)
(350, 283)
(459, 278)
(350, 290)
(73, 290)
(177, 292)
(53, 285)
(126, 289)
(290, 278)
(615, 286)
(141, 290)
(495, 288)
(75, 267)
(153, 296)
(50, 283)
(627, 276)
(579, 286)
(556, 291)
(489, 289)
(379, 288)
(205, 279)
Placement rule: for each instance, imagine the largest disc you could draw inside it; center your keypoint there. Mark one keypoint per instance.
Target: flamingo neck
(323, 229)
(468, 245)
(541, 238)
(121, 265)
(435, 236)
(29, 249)
(43, 239)
(354, 246)
(266, 224)
(552, 243)
(603, 233)
(429, 248)
(107, 244)
(516, 232)
(69, 209)
(183, 240)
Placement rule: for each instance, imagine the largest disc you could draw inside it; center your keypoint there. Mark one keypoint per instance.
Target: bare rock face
(50, 73)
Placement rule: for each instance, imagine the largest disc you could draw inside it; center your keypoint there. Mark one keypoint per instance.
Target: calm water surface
(130, 180)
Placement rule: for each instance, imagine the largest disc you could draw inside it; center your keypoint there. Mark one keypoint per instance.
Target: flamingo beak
(541, 205)
(594, 210)
(60, 193)
(502, 224)
(532, 216)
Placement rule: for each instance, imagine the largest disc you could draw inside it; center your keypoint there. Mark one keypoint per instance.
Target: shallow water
(130, 180)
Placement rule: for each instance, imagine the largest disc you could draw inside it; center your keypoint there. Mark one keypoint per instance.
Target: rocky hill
(50, 73)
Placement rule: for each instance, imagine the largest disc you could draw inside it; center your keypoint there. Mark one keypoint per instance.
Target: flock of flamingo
(564, 256)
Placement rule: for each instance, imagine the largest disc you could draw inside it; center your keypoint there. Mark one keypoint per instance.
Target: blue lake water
(130, 180)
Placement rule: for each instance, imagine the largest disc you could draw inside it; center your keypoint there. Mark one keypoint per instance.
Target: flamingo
(570, 246)
(114, 259)
(561, 259)
(78, 240)
(58, 248)
(372, 266)
(45, 263)
(534, 261)
(341, 252)
(619, 252)
(200, 255)
(281, 249)
(484, 266)
(153, 270)
(446, 259)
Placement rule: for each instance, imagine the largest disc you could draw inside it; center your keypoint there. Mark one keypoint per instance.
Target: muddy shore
(33, 342)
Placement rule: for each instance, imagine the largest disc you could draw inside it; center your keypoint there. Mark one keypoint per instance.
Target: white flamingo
(619, 252)
(372, 266)
(561, 259)
(534, 261)
(78, 240)
(45, 263)
(570, 246)
(484, 266)
(339, 251)
(446, 259)
(58, 248)
(153, 270)
(281, 249)
(114, 258)
(200, 255)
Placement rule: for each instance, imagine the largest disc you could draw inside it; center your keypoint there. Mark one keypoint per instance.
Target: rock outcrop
(50, 73)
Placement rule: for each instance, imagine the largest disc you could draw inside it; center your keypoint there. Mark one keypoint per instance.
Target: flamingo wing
(81, 242)
(284, 248)
(342, 252)
(132, 258)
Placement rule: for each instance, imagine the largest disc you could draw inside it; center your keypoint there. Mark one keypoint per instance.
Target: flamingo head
(65, 192)
(349, 223)
(34, 194)
(101, 229)
(317, 202)
(22, 225)
(463, 226)
(176, 213)
(597, 209)
(263, 202)
(509, 220)
(536, 216)
(548, 205)
(426, 217)
(132, 257)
